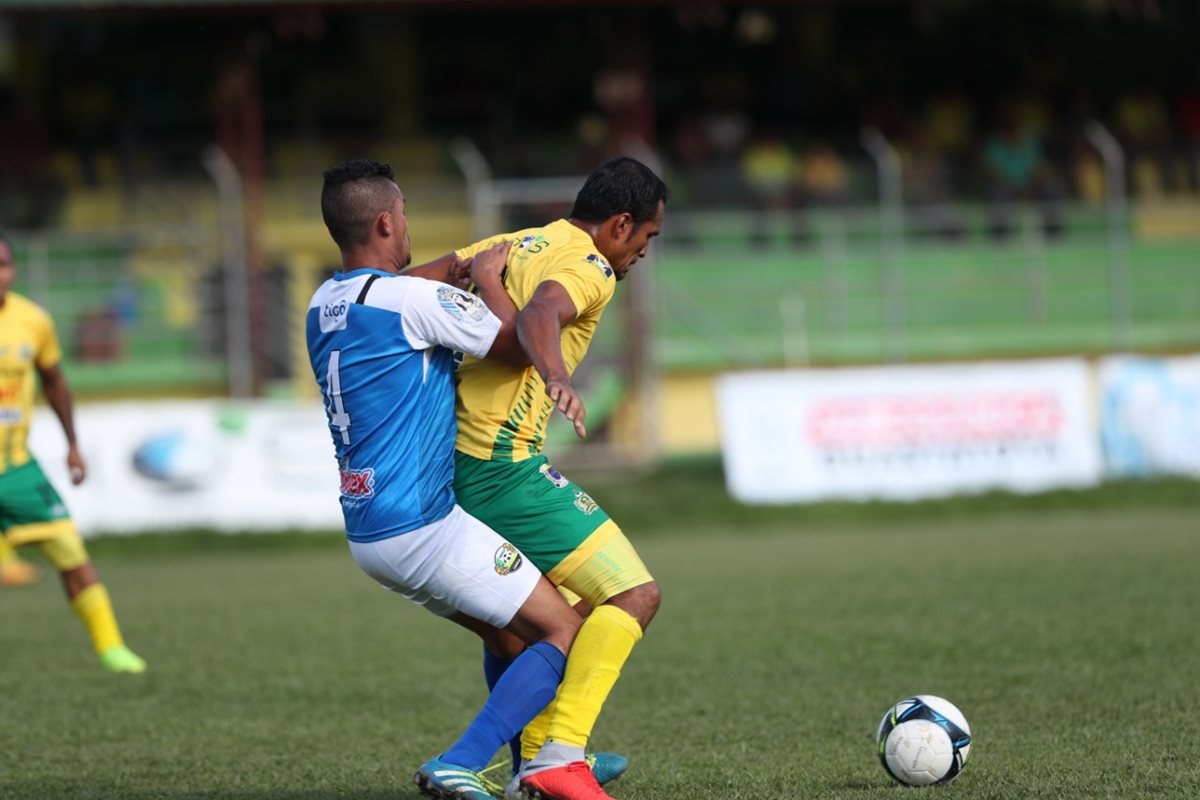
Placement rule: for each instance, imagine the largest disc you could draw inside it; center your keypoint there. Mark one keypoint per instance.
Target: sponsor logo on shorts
(585, 503)
(357, 483)
(460, 305)
(553, 475)
(508, 559)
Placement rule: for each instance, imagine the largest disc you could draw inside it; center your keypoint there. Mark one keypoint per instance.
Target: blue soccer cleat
(446, 781)
(607, 766)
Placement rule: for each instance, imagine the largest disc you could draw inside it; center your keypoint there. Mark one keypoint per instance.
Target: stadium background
(1061, 623)
(161, 163)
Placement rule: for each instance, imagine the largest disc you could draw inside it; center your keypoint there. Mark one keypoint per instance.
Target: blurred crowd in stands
(1022, 149)
(741, 107)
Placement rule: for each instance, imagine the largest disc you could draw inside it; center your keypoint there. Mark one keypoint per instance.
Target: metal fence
(171, 307)
(737, 289)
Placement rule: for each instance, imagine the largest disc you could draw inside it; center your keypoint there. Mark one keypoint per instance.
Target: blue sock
(525, 688)
(493, 667)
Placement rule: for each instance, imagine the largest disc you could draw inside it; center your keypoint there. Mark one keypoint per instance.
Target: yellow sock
(95, 609)
(593, 666)
(534, 734)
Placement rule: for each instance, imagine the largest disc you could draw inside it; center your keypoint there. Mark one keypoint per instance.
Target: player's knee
(79, 578)
(640, 602)
(565, 629)
(651, 600)
(503, 645)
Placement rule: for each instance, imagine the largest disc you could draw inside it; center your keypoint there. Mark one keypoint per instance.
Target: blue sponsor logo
(599, 262)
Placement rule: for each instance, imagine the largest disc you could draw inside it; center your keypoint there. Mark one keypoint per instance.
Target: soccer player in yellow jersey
(562, 277)
(31, 511)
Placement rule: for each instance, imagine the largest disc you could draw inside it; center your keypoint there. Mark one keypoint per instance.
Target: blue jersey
(382, 350)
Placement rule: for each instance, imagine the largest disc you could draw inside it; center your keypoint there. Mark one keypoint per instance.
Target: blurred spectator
(98, 337)
(948, 134)
(1086, 170)
(1144, 130)
(722, 134)
(768, 170)
(929, 184)
(32, 193)
(1187, 110)
(726, 130)
(87, 109)
(823, 178)
(1016, 170)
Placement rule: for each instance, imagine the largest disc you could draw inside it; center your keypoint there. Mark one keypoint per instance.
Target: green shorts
(30, 508)
(530, 504)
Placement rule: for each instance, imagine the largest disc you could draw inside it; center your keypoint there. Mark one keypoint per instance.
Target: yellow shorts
(59, 542)
(607, 565)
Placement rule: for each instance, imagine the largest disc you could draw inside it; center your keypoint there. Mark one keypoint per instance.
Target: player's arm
(58, 394)
(487, 273)
(539, 327)
(450, 268)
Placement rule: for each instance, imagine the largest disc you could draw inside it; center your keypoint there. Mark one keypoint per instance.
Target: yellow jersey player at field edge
(31, 512)
(562, 277)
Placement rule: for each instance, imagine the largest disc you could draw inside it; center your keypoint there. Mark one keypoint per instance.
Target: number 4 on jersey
(333, 391)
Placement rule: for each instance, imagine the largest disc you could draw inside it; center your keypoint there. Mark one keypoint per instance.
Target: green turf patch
(1062, 625)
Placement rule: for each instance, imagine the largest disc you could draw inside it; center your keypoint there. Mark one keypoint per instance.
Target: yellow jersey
(502, 410)
(27, 343)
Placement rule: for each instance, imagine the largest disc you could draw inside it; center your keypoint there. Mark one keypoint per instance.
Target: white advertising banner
(157, 466)
(1150, 415)
(907, 432)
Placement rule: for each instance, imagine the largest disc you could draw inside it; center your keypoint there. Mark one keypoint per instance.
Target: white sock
(552, 754)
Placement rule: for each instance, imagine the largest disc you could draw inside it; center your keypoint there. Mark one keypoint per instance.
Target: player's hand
(490, 263)
(76, 466)
(567, 400)
(460, 273)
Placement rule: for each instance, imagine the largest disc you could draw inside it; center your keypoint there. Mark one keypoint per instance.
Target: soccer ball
(923, 741)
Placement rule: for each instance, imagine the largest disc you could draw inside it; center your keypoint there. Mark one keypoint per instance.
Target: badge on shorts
(553, 475)
(585, 503)
(508, 559)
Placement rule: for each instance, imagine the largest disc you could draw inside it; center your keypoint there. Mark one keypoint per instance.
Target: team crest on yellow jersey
(585, 503)
(508, 559)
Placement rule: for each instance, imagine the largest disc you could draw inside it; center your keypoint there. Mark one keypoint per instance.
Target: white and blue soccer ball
(923, 740)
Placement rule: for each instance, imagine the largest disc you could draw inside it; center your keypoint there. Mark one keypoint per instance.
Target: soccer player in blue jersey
(382, 347)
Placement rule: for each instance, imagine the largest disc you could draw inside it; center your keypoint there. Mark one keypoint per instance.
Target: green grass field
(1064, 626)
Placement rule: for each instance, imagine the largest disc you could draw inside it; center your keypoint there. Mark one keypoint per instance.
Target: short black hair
(618, 185)
(354, 194)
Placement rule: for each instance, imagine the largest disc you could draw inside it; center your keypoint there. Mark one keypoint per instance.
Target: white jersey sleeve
(433, 313)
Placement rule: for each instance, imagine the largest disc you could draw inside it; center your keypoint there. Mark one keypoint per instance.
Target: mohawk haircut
(354, 194)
